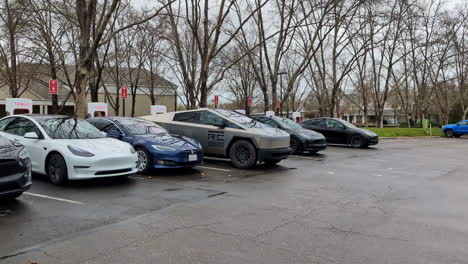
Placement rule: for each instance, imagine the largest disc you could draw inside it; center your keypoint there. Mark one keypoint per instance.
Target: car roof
(40, 117)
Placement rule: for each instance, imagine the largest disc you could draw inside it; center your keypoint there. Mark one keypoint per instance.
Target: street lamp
(281, 90)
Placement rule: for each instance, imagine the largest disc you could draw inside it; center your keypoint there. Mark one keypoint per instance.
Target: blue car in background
(456, 130)
(155, 147)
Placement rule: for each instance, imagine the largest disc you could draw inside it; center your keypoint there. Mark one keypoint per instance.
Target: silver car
(228, 134)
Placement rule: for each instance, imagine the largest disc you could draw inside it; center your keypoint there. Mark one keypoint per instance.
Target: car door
(335, 132)
(37, 148)
(204, 126)
(218, 134)
(15, 130)
(463, 127)
(320, 126)
(190, 124)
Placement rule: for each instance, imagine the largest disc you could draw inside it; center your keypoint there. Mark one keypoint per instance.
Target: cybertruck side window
(188, 117)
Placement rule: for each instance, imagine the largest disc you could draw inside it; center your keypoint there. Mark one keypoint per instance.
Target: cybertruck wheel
(243, 154)
(448, 133)
(57, 169)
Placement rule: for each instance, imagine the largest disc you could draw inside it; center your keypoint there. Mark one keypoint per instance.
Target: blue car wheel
(449, 133)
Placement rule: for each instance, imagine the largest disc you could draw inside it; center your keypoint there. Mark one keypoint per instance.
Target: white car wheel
(143, 160)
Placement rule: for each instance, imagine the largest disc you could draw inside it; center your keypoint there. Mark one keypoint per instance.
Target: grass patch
(404, 132)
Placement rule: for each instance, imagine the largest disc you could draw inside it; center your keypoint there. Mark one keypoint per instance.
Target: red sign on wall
(249, 101)
(216, 100)
(123, 92)
(53, 87)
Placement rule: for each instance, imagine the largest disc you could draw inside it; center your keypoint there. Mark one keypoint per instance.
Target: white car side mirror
(31, 135)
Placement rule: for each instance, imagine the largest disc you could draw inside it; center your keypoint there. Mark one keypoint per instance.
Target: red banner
(216, 100)
(249, 101)
(278, 104)
(123, 92)
(53, 87)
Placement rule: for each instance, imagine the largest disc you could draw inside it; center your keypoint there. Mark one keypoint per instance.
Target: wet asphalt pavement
(402, 201)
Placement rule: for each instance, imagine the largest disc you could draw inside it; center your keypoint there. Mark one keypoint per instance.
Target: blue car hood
(450, 126)
(175, 141)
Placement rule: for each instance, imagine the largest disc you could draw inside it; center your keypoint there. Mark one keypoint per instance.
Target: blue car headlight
(163, 148)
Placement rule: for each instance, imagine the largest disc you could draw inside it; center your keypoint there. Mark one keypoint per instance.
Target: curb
(428, 137)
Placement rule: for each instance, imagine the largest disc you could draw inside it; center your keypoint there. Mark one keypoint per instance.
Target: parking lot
(402, 201)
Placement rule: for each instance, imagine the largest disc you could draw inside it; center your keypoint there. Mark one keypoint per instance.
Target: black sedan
(15, 169)
(338, 131)
(301, 139)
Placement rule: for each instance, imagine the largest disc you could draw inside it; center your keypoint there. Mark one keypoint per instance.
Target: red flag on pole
(249, 101)
(53, 87)
(278, 104)
(124, 92)
(216, 100)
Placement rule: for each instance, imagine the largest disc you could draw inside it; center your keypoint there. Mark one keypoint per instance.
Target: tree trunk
(80, 95)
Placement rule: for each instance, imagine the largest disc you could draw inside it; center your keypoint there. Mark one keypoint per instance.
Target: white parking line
(52, 198)
(212, 168)
(137, 178)
(303, 157)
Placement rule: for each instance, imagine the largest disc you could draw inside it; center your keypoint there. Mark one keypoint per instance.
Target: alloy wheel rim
(142, 160)
(243, 154)
(356, 142)
(293, 146)
(54, 172)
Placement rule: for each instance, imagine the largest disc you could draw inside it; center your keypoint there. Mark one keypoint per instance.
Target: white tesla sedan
(65, 148)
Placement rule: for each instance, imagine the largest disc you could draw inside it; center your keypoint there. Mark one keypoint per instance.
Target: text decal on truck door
(215, 139)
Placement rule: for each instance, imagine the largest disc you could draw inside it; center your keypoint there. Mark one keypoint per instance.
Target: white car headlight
(132, 150)
(163, 148)
(80, 152)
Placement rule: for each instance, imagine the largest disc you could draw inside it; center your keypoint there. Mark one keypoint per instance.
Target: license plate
(192, 157)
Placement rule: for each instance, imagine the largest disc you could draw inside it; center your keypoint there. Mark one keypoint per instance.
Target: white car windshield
(245, 121)
(136, 126)
(69, 128)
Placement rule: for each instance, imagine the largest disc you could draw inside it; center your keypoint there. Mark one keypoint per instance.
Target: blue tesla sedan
(155, 147)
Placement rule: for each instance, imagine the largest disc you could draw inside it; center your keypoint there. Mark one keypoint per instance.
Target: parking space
(355, 194)
(48, 212)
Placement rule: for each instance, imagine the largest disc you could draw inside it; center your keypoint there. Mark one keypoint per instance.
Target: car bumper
(273, 154)
(315, 147)
(373, 141)
(176, 159)
(15, 184)
(80, 168)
